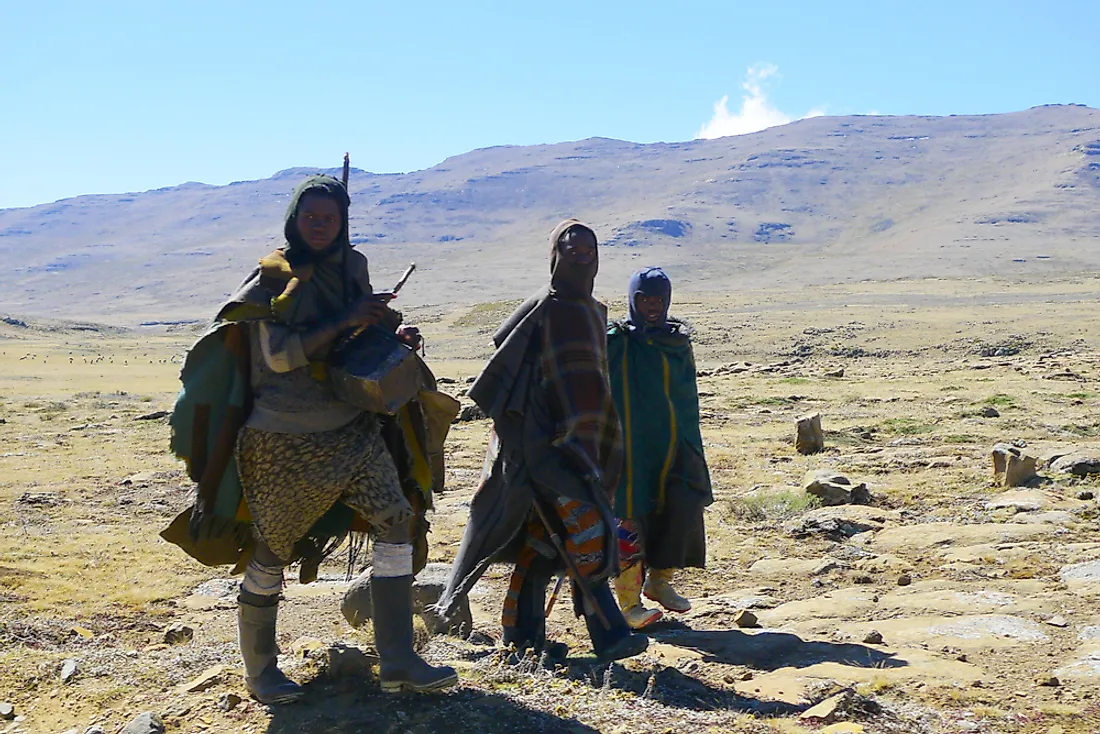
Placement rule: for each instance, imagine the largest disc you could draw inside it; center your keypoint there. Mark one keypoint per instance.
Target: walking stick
(347, 170)
(571, 567)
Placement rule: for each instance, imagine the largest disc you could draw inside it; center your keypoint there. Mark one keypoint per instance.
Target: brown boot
(658, 587)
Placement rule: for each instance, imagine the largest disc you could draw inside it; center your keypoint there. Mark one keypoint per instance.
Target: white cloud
(756, 113)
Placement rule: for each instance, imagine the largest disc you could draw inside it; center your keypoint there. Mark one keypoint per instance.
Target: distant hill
(823, 200)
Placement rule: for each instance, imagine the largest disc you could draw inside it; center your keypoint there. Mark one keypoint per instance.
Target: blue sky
(111, 96)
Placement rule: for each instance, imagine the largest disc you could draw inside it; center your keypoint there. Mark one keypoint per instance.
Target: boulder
(1078, 463)
(470, 413)
(810, 438)
(346, 661)
(1012, 466)
(357, 605)
(834, 489)
(147, 723)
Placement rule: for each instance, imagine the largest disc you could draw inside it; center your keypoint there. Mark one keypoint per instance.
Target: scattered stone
(990, 412)
(345, 661)
(1047, 681)
(1085, 494)
(178, 633)
(1078, 463)
(835, 489)
(828, 710)
(863, 579)
(95, 729)
(874, 637)
(470, 413)
(838, 523)
(810, 438)
(303, 646)
(69, 669)
(156, 415)
(962, 658)
(481, 639)
(904, 579)
(1020, 470)
(206, 680)
(7, 711)
(357, 605)
(1056, 621)
(744, 618)
(229, 701)
(445, 381)
(745, 676)
(838, 372)
(147, 723)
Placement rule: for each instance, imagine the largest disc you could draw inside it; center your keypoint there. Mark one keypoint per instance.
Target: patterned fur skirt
(291, 480)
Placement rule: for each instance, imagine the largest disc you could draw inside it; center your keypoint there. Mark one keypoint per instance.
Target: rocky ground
(948, 602)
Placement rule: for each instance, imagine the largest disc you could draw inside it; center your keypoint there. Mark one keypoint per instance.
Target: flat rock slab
(839, 604)
(972, 632)
(1083, 578)
(1051, 517)
(803, 567)
(842, 521)
(955, 601)
(790, 682)
(1084, 665)
(930, 536)
(1022, 500)
(1080, 463)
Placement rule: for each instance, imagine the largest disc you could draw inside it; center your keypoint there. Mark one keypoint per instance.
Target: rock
(470, 413)
(830, 709)
(838, 523)
(229, 701)
(154, 416)
(7, 711)
(345, 661)
(1056, 621)
(1085, 494)
(810, 438)
(1081, 575)
(990, 412)
(1047, 681)
(838, 372)
(1020, 470)
(863, 579)
(1020, 501)
(69, 670)
(95, 729)
(834, 489)
(874, 637)
(445, 381)
(147, 723)
(481, 639)
(357, 605)
(303, 646)
(744, 618)
(178, 633)
(1078, 463)
(905, 579)
(1017, 467)
(861, 495)
(206, 680)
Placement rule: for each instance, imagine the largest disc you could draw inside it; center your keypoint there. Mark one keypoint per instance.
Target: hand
(410, 336)
(367, 311)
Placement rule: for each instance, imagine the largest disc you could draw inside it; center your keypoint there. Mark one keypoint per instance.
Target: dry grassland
(85, 486)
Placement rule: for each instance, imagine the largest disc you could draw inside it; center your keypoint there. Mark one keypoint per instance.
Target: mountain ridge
(821, 200)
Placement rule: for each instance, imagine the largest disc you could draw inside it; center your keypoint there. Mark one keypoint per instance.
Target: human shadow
(354, 707)
(773, 650)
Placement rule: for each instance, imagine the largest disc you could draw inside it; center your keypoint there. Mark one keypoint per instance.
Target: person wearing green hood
(284, 468)
(665, 483)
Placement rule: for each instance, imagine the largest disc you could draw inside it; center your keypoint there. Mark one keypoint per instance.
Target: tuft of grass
(769, 507)
(795, 380)
(1080, 395)
(487, 314)
(999, 400)
(906, 426)
(962, 438)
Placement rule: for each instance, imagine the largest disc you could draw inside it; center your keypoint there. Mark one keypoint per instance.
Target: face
(319, 221)
(652, 308)
(578, 246)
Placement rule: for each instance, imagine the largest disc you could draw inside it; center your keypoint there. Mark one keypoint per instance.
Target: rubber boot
(615, 643)
(628, 589)
(530, 630)
(658, 587)
(401, 668)
(256, 635)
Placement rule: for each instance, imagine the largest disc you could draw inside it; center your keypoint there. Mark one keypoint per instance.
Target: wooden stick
(347, 170)
(571, 567)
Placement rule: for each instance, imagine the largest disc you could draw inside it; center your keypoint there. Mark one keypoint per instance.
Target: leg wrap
(262, 580)
(390, 560)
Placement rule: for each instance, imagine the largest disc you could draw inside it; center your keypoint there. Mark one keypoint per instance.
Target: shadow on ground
(774, 650)
(333, 709)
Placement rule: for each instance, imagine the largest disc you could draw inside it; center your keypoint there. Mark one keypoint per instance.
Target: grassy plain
(85, 485)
